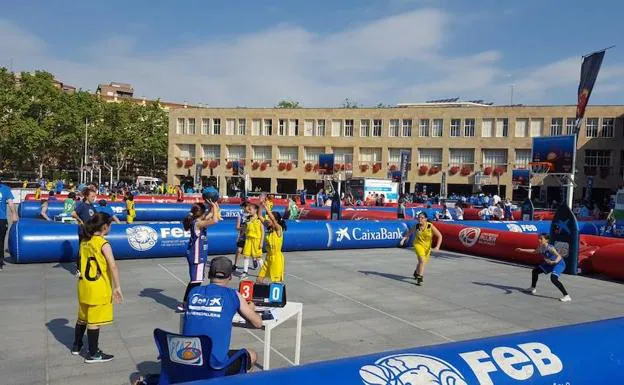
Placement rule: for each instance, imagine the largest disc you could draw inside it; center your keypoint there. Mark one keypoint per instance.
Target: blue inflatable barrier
(145, 212)
(531, 227)
(32, 241)
(582, 354)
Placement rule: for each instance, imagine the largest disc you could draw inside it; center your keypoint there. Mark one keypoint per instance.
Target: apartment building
(280, 147)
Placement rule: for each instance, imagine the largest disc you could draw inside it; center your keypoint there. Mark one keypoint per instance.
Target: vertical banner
(405, 159)
(589, 73)
(564, 235)
(443, 185)
(348, 166)
(589, 186)
(198, 173)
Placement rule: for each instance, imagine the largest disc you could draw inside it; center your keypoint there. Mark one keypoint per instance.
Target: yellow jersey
(269, 207)
(94, 285)
(253, 229)
(274, 266)
(422, 240)
(38, 193)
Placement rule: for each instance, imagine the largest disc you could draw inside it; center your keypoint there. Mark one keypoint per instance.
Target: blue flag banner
(564, 235)
(589, 73)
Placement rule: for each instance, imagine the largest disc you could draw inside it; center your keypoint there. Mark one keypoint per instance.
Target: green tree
(348, 103)
(288, 104)
(151, 152)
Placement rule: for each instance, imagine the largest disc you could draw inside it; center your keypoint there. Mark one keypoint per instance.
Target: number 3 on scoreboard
(246, 290)
(276, 292)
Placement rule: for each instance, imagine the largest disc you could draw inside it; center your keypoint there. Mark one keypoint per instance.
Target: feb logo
(514, 228)
(469, 236)
(141, 238)
(185, 350)
(414, 369)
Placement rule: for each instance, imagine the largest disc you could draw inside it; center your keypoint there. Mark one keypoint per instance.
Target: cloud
(398, 58)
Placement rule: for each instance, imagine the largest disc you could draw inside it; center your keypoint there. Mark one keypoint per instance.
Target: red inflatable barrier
(609, 260)
(370, 215)
(472, 214)
(313, 213)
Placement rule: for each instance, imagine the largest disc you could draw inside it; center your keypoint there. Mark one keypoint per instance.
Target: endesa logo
(520, 363)
(359, 234)
(470, 236)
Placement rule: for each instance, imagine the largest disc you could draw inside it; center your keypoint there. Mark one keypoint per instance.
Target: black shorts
(240, 243)
(401, 216)
(236, 366)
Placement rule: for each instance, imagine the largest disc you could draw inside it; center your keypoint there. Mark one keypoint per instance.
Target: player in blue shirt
(6, 207)
(85, 210)
(553, 264)
(197, 222)
(104, 208)
(211, 309)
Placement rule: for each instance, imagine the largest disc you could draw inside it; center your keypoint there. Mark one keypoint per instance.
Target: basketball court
(354, 302)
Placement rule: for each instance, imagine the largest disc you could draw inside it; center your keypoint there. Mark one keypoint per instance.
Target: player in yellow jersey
(254, 238)
(423, 232)
(273, 267)
(98, 286)
(130, 211)
(38, 193)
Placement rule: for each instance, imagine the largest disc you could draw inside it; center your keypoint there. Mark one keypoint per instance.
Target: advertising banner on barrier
(557, 150)
(558, 356)
(388, 188)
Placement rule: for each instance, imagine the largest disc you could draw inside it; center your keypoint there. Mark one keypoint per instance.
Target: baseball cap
(220, 267)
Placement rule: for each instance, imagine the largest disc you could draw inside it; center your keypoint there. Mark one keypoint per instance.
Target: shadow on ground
(159, 297)
(509, 289)
(62, 331)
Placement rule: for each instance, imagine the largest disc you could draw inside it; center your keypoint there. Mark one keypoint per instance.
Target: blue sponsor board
(326, 164)
(580, 354)
(557, 150)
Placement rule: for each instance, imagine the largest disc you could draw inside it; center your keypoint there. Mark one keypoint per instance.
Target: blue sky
(255, 53)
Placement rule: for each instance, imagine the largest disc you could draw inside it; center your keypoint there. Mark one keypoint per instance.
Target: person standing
(459, 211)
(423, 232)
(254, 239)
(241, 223)
(401, 207)
(104, 208)
(98, 287)
(130, 211)
(553, 264)
(274, 266)
(197, 222)
(508, 213)
(86, 209)
(7, 211)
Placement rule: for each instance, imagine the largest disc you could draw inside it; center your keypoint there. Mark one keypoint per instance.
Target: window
(311, 154)
(211, 151)
(267, 128)
(235, 152)
(281, 131)
(437, 127)
(341, 154)
(229, 126)
(430, 156)
(293, 127)
(493, 158)
(570, 126)
(394, 128)
(216, 126)
(455, 127)
(370, 154)
(364, 127)
(537, 126)
(287, 154)
(522, 128)
(320, 127)
(190, 126)
(607, 128)
(377, 123)
(187, 151)
(597, 158)
(261, 153)
(487, 127)
(523, 157)
(556, 126)
(205, 124)
(255, 127)
(348, 127)
(336, 127)
(424, 127)
(469, 127)
(308, 127)
(242, 127)
(407, 128)
(460, 157)
(394, 154)
(502, 128)
(591, 127)
(180, 126)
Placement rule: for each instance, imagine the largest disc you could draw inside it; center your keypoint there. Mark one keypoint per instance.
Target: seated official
(210, 311)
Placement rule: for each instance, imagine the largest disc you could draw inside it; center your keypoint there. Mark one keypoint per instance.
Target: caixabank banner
(568, 355)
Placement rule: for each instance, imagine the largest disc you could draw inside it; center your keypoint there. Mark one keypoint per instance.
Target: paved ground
(355, 302)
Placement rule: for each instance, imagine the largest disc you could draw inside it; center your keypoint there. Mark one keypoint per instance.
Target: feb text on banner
(589, 73)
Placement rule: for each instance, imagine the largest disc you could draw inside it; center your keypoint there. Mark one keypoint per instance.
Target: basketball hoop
(539, 171)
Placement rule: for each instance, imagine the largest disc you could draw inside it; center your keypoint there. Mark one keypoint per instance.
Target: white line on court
(371, 307)
(247, 330)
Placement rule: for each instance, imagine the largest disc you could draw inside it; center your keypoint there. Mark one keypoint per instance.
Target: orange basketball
(551, 157)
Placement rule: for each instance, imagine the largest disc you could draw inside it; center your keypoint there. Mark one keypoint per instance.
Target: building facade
(280, 147)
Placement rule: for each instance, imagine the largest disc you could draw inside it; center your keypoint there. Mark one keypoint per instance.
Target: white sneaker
(531, 291)
(565, 298)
